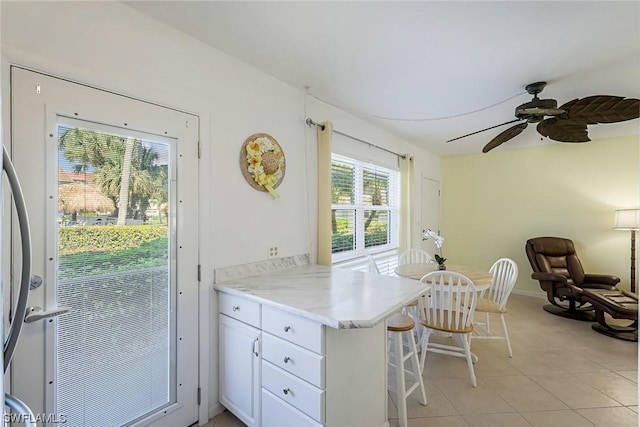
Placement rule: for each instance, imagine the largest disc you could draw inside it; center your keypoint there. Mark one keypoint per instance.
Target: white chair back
(415, 256)
(451, 302)
(373, 267)
(505, 274)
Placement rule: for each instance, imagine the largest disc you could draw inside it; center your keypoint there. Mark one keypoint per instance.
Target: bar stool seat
(397, 326)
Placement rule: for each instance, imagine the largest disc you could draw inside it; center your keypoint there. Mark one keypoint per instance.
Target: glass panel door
(114, 358)
(111, 187)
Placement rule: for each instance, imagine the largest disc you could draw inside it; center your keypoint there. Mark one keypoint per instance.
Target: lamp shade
(627, 219)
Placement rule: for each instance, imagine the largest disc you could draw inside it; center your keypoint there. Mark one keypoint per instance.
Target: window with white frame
(364, 209)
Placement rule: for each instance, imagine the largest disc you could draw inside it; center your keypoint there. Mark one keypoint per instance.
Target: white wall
(495, 202)
(109, 45)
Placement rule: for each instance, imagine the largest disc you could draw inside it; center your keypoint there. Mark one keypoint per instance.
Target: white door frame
(188, 241)
(429, 245)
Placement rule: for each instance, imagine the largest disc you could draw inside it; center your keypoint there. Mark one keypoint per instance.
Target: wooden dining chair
(449, 308)
(415, 256)
(373, 267)
(494, 300)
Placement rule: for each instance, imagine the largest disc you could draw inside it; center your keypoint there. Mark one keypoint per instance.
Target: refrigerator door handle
(25, 277)
(20, 409)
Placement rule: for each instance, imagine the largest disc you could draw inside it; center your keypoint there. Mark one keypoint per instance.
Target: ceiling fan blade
(563, 130)
(492, 127)
(505, 136)
(602, 109)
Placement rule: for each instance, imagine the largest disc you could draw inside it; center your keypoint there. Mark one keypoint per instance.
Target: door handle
(35, 313)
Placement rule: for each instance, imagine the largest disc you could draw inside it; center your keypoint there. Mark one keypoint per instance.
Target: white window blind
(115, 361)
(386, 261)
(364, 210)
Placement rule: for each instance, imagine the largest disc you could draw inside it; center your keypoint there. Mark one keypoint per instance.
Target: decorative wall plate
(262, 163)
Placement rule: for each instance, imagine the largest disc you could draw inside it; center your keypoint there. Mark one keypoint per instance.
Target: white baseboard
(215, 410)
(533, 294)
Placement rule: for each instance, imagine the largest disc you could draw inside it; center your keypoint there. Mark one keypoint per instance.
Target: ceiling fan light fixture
(538, 108)
(567, 123)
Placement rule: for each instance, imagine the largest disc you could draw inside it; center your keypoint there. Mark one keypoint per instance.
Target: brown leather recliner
(557, 267)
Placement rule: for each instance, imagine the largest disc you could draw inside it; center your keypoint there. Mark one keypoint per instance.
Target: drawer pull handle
(286, 359)
(253, 346)
(286, 391)
(235, 308)
(287, 328)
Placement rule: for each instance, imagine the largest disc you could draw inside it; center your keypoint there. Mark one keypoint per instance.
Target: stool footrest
(401, 356)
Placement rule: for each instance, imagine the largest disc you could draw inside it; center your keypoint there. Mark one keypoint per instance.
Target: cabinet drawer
(277, 413)
(294, 359)
(239, 308)
(293, 328)
(294, 391)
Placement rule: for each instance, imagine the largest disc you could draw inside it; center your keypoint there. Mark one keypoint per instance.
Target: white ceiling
(429, 60)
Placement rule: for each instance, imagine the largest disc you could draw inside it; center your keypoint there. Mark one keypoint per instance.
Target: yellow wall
(492, 203)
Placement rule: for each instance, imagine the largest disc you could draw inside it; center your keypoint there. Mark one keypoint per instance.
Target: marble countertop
(339, 298)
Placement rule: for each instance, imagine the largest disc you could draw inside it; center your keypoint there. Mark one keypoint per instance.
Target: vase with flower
(439, 241)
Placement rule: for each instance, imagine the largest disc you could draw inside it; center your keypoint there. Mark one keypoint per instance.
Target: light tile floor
(562, 374)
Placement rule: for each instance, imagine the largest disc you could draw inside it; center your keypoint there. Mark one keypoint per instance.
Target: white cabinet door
(239, 346)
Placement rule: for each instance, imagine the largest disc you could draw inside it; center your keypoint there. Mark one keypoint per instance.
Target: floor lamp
(629, 219)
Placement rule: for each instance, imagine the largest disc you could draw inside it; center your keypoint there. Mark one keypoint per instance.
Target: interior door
(109, 187)
(430, 212)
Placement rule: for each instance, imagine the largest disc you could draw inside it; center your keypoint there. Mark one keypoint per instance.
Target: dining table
(480, 278)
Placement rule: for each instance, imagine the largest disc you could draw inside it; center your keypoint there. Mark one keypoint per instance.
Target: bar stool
(397, 326)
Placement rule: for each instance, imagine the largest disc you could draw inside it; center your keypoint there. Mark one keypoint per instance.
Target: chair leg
(400, 384)
(467, 352)
(486, 322)
(424, 342)
(412, 311)
(415, 364)
(389, 342)
(506, 334)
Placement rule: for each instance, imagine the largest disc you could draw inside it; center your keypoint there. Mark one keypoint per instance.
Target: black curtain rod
(312, 123)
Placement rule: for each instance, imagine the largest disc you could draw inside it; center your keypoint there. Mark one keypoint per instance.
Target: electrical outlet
(273, 252)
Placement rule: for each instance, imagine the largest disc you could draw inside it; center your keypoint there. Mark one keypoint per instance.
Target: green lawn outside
(152, 253)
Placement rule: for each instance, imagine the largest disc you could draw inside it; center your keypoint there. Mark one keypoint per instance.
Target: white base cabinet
(307, 374)
(239, 373)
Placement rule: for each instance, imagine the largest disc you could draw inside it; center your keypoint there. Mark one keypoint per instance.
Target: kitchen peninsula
(307, 345)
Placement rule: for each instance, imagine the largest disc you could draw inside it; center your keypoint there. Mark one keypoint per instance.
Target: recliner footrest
(619, 305)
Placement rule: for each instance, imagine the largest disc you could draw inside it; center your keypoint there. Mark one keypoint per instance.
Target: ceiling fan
(567, 123)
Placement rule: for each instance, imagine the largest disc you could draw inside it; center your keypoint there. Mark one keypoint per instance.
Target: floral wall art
(263, 163)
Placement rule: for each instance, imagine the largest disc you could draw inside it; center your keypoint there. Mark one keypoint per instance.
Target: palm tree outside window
(364, 210)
